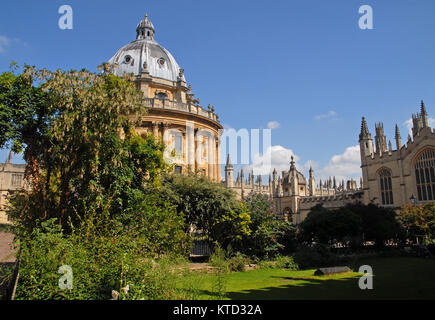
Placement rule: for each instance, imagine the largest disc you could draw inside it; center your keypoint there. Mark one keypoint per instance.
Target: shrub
(286, 262)
(315, 257)
(101, 265)
(238, 262)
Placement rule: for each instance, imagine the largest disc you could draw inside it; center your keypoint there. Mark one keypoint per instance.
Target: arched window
(386, 186)
(425, 175)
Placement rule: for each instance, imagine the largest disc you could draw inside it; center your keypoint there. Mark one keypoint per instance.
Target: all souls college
(391, 176)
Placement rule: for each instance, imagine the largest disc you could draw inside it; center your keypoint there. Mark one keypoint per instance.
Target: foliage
(378, 224)
(238, 262)
(286, 262)
(219, 261)
(208, 206)
(315, 256)
(350, 225)
(75, 128)
(101, 264)
(324, 226)
(419, 220)
(269, 233)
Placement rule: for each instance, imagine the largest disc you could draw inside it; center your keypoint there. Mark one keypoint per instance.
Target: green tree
(325, 226)
(419, 220)
(378, 224)
(76, 130)
(208, 206)
(270, 235)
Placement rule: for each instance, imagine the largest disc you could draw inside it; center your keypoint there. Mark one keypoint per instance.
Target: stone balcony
(155, 103)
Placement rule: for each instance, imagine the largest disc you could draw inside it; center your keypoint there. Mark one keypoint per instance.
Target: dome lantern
(145, 29)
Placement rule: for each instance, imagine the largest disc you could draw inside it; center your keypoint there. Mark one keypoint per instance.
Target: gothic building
(390, 178)
(292, 195)
(401, 176)
(189, 132)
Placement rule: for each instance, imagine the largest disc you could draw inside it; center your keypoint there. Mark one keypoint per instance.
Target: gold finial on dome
(146, 16)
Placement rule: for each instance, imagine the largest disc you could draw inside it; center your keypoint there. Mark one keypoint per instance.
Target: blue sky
(304, 64)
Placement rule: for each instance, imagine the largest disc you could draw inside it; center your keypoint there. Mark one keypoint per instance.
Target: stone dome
(145, 54)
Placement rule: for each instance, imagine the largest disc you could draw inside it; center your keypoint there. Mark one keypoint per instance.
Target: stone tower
(312, 183)
(229, 173)
(365, 141)
(380, 139)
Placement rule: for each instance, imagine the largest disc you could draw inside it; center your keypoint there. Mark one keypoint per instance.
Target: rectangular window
(177, 169)
(16, 180)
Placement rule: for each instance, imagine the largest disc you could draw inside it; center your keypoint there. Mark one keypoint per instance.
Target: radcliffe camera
(231, 158)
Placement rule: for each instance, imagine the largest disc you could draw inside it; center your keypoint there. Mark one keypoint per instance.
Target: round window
(127, 59)
(161, 61)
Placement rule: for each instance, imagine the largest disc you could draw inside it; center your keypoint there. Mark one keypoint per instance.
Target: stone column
(166, 139)
(155, 129)
(217, 166)
(210, 157)
(190, 135)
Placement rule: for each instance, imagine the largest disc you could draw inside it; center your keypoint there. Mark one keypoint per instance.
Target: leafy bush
(270, 235)
(286, 262)
(207, 205)
(100, 265)
(238, 262)
(315, 257)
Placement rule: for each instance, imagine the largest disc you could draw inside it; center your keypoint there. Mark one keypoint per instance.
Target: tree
(76, 130)
(378, 224)
(208, 206)
(419, 220)
(270, 235)
(326, 226)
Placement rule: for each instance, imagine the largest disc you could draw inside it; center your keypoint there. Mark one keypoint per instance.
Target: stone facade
(11, 179)
(405, 175)
(189, 132)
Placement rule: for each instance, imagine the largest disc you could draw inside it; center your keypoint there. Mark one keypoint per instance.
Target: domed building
(189, 132)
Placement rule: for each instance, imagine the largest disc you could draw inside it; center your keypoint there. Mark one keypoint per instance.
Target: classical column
(155, 128)
(210, 157)
(166, 139)
(190, 134)
(217, 159)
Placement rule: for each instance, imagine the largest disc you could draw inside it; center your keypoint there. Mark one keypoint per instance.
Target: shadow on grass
(394, 278)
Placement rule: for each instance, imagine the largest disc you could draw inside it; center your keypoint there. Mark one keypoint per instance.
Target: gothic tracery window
(386, 187)
(425, 175)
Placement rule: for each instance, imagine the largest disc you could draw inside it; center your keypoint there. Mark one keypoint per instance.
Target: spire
(380, 139)
(398, 139)
(364, 130)
(390, 147)
(228, 164)
(292, 163)
(423, 115)
(9, 160)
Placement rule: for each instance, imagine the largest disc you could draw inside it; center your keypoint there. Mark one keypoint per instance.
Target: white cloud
(342, 166)
(4, 42)
(330, 114)
(280, 160)
(273, 124)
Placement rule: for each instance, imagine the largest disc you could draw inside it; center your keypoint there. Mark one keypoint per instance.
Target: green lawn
(394, 278)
